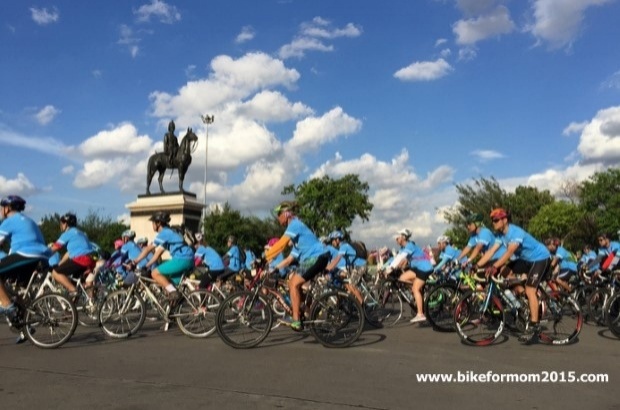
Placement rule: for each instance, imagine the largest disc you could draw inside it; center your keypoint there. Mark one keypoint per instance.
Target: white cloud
(424, 70)
(47, 114)
(129, 40)
(485, 155)
(121, 140)
(494, 23)
(97, 73)
(600, 139)
(440, 42)
(21, 185)
(574, 128)
(473, 7)
(157, 9)
(269, 106)
(312, 132)
(558, 22)
(247, 33)
(612, 82)
(42, 16)
(44, 145)
(68, 170)
(98, 172)
(445, 53)
(467, 54)
(312, 34)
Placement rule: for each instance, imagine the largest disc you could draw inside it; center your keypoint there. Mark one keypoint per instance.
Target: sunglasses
(496, 220)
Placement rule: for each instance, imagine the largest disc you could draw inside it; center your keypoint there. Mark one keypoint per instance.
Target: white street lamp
(206, 119)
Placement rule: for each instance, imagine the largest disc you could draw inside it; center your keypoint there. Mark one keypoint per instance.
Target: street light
(206, 119)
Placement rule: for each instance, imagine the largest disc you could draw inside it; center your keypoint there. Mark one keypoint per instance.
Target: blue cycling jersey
(210, 258)
(529, 250)
(26, 237)
(305, 242)
(234, 258)
(76, 242)
(173, 243)
(416, 257)
(487, 239)
(566, 259)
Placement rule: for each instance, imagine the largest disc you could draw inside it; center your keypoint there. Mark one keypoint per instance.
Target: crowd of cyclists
(296, 258)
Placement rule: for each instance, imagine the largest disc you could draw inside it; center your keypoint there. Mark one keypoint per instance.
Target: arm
(476, 252)
(333, 263)
(145, 251)
(488, 255)
(286, 262)
(399, 261)
(156, 255)
(277, 248)
(512, 247)
(464, 253)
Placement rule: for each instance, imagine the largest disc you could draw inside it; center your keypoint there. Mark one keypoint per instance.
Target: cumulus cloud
(121, 140)
(157, 9)
(484, 155)
(574, 128)
(272, 106)
(491, 24)
(600, 138)
(312, 132)
(98, 172)
(558, 22)
(47, 114)
(247, 33)
(311, 37)
(424, 70)
(20, 185)
(42, 16)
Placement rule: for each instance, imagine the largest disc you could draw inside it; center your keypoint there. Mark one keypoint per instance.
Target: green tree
(559, 219)
(525, 203)
(327, 204)
(600, 198)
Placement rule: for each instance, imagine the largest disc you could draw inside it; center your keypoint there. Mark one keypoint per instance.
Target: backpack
(360, 249)
(242, 256)
(188, 236)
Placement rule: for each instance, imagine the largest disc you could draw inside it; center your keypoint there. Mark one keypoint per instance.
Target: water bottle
(287, 299)
(514, 302)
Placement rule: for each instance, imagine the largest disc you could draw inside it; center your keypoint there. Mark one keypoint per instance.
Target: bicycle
(245, 319)
(48, 320)
(123, 312)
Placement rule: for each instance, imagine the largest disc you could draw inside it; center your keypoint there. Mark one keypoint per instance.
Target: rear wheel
(479, 322)
(336, 319)
(613, 314)
(50, 321)
(244, 320)
(197, 312)
(439, 306)
(562, 320)
(122, 313)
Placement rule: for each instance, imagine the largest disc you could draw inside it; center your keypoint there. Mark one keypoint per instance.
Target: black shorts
(319, 266)
(209, 277)
(71, 269)
(15, 266)
(420, 274)
(536, 271)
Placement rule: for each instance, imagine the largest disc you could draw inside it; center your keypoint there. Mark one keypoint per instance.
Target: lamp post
(206, 119)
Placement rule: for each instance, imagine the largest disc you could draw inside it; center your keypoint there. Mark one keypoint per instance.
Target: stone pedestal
(182, 206)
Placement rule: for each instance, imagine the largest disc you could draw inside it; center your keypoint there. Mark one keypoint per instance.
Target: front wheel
(336, 319)
(244, 320)
(478, 319)
(439, 306)
(50, 321)
(122, 313)
(561, 323)
(613, 314)
(197, 312)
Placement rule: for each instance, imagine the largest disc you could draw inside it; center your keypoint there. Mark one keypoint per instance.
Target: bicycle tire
(336, 319)
(581, 296)
(244, 320)
(88, 308)
(562, 321)
(476, 324)
(596, 303)
(196, 313)
(50, 321)
(613, 314)
(122, 324)
(439, 305)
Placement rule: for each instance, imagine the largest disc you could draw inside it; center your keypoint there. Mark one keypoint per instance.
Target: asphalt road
(167, 370)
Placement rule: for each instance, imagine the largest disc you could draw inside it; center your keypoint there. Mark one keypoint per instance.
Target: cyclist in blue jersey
(307, 249)
(588, 262)
(344, 259)
(481, 240)
(608, 251)
(532, 257)
(562, 261)
(415, 266)
(79, 258)
(208, 257)
(27, 246)
(447, 254)
(168, 273)
(250, 259)
(272, 265)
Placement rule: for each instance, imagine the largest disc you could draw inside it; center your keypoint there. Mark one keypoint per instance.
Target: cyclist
(272, 265)
(142, 242)
(250, 259)
(448, 253)
(608, 250)
(416, 268)
(532, 258)
(208, 257)
(79, 258)
(345, 258)
(27, 246)
(169, 272)
(563, 261)
(307, 249)
(481, 239)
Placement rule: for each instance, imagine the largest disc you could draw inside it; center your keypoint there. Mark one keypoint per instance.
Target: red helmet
(498, 213)
(272, 241)
(118, 244)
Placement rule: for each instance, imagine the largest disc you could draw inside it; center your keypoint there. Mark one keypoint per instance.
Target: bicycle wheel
(122, 313)
(88, 307)
(582, 296)
(336, 319)
(562, 320)
(476, 322)
(613, 314)
(439, 306)
(196, 313)
(596, 302)
(50, 320)
(244, 320)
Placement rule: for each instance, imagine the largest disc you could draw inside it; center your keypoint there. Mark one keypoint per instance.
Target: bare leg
(64, 281)
(4, 297)
(294, 285)
(532, 297)
(160, 279)
(418, 284)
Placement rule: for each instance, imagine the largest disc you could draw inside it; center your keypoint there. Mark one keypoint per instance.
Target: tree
(525, 203)
(327, 204)
(600, 197)
(559, 219)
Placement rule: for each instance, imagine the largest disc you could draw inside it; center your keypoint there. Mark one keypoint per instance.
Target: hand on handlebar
(491, 271)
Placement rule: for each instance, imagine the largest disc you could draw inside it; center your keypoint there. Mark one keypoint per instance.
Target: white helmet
(443, 238)
(406, 233)
(199, 236)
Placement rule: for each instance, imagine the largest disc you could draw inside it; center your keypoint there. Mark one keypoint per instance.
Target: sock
(170, 288)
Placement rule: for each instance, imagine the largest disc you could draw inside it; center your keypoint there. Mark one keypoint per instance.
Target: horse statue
(160, 162)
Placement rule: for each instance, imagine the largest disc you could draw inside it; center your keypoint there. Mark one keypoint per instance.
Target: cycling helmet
(272, 242)
(142, 241)
(442, 239)
(473, 218)
(15, 202)
(335, 235)
(118, 244)
(128, 234)
(498, 213)
(161, 217)
(69, 218)
(406, 233)
(283, 206)
(231, 238)
(199, 236)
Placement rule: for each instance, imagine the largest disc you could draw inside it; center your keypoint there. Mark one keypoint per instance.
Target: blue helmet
(335, 235)
(15, 202)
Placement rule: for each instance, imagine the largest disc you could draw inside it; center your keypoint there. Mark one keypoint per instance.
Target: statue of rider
(171, 143)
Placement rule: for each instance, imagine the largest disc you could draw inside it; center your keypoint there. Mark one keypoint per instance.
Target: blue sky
(414, 96)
